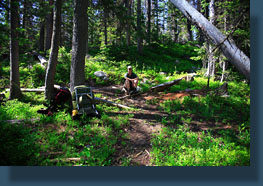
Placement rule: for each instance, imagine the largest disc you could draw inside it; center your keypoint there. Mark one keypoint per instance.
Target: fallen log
(32, 89)
(43, 61)
(41, 89)
(237, 57)
(164, 86)
(18, 121)
(66, 160)
(111, 103)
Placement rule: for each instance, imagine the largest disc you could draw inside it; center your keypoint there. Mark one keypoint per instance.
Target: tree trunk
(211, 61)
(127, 27)
(149, 13)
(42, 36)
(229, 49)
(105, 26)
(26, 18)
(190, 35)
(139, 29)
(224, 62)
(175, 28)
(49, 27)
(223, 72)
(15, 91)
(77, 75)
(201, 39)
(156, 7)
(52, 63)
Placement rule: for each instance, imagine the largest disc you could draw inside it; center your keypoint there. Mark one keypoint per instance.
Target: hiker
(131, 81)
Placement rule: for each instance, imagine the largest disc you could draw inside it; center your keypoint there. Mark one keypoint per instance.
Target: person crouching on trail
(131, 81)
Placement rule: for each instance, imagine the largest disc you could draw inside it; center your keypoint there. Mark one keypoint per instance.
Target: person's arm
(136, 77)
(127, 77)
(133, 79)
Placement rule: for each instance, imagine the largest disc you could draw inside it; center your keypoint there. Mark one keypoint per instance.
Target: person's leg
(135, 83)
(127, 85)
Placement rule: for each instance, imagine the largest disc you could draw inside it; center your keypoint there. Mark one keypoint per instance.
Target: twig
(138, 154)
(147, 152)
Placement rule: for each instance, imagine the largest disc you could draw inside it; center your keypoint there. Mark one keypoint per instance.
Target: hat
(129, 67)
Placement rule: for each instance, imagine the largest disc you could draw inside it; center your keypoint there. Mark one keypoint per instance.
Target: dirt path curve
(135, 150)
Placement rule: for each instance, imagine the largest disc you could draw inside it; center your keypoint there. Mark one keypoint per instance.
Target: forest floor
(146, 121)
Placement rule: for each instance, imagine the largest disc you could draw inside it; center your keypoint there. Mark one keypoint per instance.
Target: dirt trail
(146, 122)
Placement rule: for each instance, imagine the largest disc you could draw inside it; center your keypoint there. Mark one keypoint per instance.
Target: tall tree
(211, 59)
(53, 59)
(49, 26)
(201, 35)
(15, 91)
(27, 20)
(42, 37)
(156, 15)
(105, 20)
(128, 22)
(80, 26)
(139, 27)
(42, 25)
(229, 49)
(190, 35)
(149, 14)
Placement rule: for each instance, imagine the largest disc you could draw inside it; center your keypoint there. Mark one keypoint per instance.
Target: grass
(90, 139)
(181, 147)
(51, 140)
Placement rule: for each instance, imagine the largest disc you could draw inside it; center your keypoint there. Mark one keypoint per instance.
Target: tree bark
(211, 61)
(49, 27)
(175, 27)
(139, 29)
(77, 75)
(229, 49)
(149, 14)
(53, 59)
(42, 36)
(15, 91)
(105, 17)
(190, 35)
(127, 27)
(200, 33)
(27, 6)
(156, 7)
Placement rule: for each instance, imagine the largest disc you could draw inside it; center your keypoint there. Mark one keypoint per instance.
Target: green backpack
(83, 101)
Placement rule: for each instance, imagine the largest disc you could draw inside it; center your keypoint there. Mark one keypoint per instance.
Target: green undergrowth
(54, 140)
(181, 147)
(183, 143)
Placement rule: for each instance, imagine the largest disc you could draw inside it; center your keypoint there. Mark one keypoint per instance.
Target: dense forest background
(123, 24)
(47, 42)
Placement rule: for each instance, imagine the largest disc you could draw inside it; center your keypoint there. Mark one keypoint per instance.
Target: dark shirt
(132, 76)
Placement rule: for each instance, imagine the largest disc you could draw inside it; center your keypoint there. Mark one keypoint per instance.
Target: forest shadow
(18, 146)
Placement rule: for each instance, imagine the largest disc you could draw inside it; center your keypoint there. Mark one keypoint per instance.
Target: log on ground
(111, 103)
